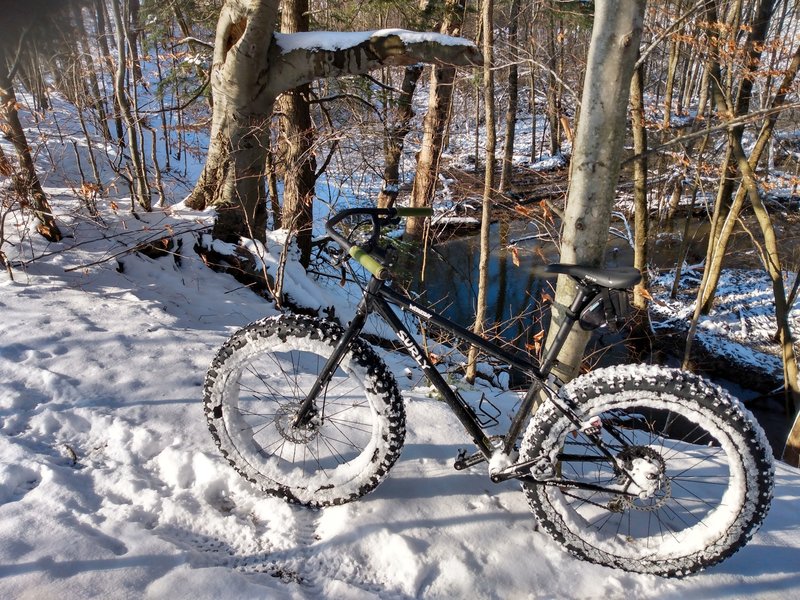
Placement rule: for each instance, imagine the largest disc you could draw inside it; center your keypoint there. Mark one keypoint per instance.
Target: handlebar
(380, 217)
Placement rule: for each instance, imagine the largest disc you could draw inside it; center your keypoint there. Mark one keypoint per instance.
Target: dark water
(450, 278)
(449, 281)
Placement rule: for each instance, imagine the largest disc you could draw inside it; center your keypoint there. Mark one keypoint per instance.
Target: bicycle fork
(306, 410)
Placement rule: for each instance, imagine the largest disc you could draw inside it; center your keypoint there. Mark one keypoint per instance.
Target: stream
(449, 282)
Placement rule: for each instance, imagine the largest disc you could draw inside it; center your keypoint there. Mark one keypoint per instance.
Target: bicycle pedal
(464, 462)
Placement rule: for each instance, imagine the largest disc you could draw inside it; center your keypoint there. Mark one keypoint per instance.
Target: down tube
(460, 408)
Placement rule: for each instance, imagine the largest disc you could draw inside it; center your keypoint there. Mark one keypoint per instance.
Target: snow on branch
(299, 58)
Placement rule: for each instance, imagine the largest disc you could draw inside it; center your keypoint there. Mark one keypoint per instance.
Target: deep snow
(110, 485)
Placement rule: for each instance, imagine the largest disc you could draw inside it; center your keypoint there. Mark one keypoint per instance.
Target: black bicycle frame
(378, 297)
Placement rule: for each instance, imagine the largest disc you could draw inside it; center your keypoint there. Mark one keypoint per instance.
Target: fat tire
(377, 398)
(642, 388)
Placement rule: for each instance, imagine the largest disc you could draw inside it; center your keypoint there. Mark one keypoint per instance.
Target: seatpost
(570, 316)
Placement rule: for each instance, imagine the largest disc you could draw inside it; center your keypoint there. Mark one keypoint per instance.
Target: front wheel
(252, 393)
(681, 480)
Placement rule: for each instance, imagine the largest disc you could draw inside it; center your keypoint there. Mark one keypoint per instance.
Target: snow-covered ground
(111, 486)
(741, 327)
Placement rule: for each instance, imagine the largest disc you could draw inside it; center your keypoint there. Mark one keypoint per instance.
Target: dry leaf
(546, 212)
(523, 210)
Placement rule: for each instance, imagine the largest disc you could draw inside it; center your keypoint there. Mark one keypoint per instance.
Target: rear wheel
(685, 481)
(254, 389)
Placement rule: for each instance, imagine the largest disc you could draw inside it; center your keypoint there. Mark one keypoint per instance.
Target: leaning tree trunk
(726, 211)
(27, 183)
(396, 135)
(251, 67)
(597, 154)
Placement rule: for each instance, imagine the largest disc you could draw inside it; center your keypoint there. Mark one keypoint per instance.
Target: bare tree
(487, 9)
(297, 139)
(597, 154)
(19, 24)
(440, 94)
(251, 67)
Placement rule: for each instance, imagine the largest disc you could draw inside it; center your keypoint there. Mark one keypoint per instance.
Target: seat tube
(570, 316)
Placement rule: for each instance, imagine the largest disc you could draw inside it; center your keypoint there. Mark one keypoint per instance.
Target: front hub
(284, 421)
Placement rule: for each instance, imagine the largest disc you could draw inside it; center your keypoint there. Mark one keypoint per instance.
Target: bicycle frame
(379, 298)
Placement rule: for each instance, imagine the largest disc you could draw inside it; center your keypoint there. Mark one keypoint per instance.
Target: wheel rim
(263, 396)
(695, 498)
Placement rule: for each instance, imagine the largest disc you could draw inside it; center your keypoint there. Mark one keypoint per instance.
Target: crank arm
(465, 462)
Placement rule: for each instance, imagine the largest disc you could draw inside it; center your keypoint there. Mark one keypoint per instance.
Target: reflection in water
(450, 280)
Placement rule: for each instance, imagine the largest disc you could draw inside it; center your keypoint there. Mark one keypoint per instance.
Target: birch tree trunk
(596, 157)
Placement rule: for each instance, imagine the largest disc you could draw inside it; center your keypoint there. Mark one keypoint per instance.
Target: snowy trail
(110, 484)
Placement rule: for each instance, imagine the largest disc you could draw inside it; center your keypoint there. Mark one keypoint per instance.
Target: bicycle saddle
(616, 278)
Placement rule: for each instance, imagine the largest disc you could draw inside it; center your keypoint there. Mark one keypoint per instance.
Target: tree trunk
(395, 136)
(97, 99)
(105, 56)
(596, 156)
(488, 182)
(513, 99)
(27, 183)
(791, 452)
(439, 100)
(140, 184)
(297, 137)
(669, 86)
(641, 214)
(553, 107)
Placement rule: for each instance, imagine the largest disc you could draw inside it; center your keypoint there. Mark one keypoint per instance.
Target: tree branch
(300, 58)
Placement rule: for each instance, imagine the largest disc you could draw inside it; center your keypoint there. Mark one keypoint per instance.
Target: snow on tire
(251, 394)
(694, 471)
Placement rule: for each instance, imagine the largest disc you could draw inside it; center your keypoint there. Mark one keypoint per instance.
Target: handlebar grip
(414, 211)
(369, 263)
